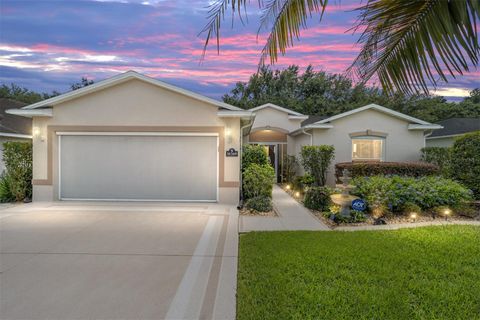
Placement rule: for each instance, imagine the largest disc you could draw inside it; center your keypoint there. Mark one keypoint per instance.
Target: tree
(320, 93)
(83, 83)
(15, 92)
(408, 45)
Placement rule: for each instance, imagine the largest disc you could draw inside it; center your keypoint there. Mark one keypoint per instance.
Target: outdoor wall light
(37, 133)
(228, 134)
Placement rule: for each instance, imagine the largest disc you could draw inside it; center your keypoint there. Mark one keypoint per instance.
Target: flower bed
(395, 199)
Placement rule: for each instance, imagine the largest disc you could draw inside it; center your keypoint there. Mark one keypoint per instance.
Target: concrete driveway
(118, 261)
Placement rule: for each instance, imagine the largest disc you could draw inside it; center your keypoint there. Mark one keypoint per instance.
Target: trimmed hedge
(260, 204)
(366, 169)
(465, 163)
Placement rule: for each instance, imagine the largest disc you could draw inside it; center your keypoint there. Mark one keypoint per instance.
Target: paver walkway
(292, 216)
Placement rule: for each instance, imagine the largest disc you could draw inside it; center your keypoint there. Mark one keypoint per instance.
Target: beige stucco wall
(275, 119)
(133, 104)
(401, 144)
(440, 142)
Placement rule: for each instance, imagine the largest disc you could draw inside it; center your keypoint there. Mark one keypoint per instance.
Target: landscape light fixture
(447, 212)
(297, 194)
(413, 216)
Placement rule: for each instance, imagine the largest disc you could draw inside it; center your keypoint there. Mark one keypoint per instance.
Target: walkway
(292, 216)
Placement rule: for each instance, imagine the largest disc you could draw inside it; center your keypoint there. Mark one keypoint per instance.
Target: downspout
(240, 202)
(308, 134)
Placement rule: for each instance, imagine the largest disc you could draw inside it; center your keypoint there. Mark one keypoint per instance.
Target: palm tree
(408, 44)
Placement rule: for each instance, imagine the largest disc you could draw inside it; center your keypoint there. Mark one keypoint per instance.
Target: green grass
(423, 273)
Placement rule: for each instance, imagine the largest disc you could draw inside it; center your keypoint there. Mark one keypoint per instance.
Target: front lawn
(423, 273)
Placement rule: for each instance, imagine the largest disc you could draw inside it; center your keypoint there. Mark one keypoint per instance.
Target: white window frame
(382, 139)
(112, 133)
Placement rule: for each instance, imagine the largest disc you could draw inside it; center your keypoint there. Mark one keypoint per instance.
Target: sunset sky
(47, 45)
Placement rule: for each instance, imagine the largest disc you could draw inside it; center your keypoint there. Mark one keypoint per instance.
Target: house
(452, 128)
(132, 137)
(369, 133)
(12, 128)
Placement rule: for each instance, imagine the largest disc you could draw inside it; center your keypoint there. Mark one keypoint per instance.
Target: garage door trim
(121, 133)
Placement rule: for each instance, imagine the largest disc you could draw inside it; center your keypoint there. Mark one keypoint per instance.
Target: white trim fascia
(429, 126)
(298, 117)
(15, 135)
(47, 112)
(123, 77)
(309, 127)
(235, 114)
(113, 133)
(378, 108)
(274, 106)
(447, 136)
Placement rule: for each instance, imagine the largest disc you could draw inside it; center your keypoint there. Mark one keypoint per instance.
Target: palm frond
(216, 14)
(288, 16)
(412, 45)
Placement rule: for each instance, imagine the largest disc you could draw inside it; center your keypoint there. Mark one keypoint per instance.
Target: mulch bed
(247, 212)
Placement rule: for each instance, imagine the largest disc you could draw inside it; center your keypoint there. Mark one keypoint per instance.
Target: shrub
(317, 198)
(253, 154)
(5, 189)
(366, 169)
(260, 203)
(258, 181)
(410, 207)
(357, 216)
(465, 164)
(393, 193)
(439, 156)
(289, 168)
(17, 157)
(316, 160)
(302, 182)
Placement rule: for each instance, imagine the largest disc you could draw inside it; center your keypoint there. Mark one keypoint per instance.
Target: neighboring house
(452, 128)
(12, 127)
(369, 133)
(132, 137)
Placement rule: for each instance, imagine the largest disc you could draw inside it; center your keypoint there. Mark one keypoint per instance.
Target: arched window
(368, 148)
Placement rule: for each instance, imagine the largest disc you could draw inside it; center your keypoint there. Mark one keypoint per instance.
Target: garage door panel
(138, 167)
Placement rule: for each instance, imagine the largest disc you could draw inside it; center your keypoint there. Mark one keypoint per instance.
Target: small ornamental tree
(258, 181)
(465, 163)
(316, 160)
(289, 167)
(253, 154)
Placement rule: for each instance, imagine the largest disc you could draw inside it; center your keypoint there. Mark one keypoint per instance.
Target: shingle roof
(313, 119)
(456, 126)
(12, 124)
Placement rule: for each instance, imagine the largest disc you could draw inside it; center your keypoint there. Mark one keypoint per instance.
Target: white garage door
(141, 166)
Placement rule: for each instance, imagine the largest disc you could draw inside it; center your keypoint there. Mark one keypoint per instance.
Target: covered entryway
(168, 166)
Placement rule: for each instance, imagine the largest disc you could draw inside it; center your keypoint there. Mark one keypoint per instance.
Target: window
(368, 148)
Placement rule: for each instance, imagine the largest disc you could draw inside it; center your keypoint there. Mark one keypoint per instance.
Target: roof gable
(378, 108)
(129, 75)
(282, 109)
